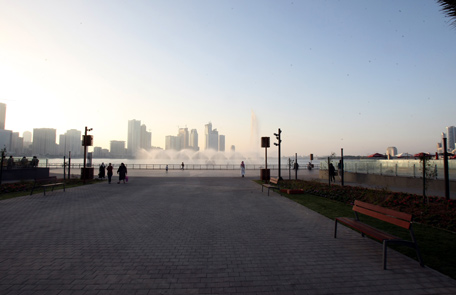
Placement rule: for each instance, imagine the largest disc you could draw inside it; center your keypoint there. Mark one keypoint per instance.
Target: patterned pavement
(191, 235)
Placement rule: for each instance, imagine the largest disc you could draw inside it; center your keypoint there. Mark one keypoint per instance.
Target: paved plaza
(187, 233)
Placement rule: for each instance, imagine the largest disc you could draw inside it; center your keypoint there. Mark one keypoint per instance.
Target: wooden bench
(46, 183)
(401, 219)
(273, 184)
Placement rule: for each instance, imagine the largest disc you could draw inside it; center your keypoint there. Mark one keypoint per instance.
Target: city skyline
(358, 75)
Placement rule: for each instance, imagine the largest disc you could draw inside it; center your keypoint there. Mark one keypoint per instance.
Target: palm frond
(449, 8)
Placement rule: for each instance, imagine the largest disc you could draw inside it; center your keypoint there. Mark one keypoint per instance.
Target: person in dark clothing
(109, 169)
(122, 171)
(332, 172)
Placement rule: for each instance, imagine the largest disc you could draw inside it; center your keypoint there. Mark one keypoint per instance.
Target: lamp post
(86, 142)
(445, 167)
(277, 135)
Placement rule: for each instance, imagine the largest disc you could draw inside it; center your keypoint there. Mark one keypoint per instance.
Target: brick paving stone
(191, 235)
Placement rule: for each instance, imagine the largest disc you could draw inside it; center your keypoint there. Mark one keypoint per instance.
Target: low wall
(25, 173)
(384, 181)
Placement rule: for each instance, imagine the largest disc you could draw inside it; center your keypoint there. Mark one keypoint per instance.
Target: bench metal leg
(385, 247)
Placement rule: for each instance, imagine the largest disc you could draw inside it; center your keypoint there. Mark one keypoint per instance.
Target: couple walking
(122, 171)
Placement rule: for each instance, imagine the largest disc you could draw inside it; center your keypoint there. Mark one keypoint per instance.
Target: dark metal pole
(296, 165)
(1, 167)
(69, 164)
(329, 173)
(342, 166)
(85, 155)
(64, 168)
(445, 169)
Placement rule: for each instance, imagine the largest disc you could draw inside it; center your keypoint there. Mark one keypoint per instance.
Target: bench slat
(367, 229)
(389, 219)
(391, 212)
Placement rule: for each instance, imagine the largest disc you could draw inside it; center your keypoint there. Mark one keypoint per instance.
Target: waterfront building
(5, 139)
(221, 143)
(233, 148)
(71, 141)
(172, 143)
(451, 137)
(183, 138)
(134, 137)
(391, 151)
(2, 116)
(193, 144)
(145, 138)
(17, 144)
(44, 141)
(212, 138)
(117, 148)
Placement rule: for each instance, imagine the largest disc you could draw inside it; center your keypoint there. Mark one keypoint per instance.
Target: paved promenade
(179, 234)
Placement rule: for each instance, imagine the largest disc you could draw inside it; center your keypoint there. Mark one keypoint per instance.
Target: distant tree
(449, 8)
(429, 173)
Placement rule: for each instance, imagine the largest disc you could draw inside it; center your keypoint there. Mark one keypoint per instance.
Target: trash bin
(265, 174)
(87, 173)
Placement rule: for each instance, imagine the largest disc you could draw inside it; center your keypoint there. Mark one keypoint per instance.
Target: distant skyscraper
(134, 137)
(117, 148)
(146, 138)
(451, 134)
(17, 143)
(2, 116)
(172, 143)
(212, 137)
(27, 135)
(44, 141)
(183, 138)
(207, 133)
(194, 140)
(71, 141)
(5, 139)
(222, 143)
(233, 148)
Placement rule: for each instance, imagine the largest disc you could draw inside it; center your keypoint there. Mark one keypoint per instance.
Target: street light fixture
(445, 167)
(277, 135)
(86, 141)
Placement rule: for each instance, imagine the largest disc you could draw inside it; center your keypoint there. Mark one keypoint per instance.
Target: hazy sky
(357, 74)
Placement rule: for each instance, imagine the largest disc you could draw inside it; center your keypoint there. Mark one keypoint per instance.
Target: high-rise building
(233, 148)
(71, 141)
(27, 135)
(17, 143)
(221, 143)
(193, 144)
(451, 137)
(183, 138)
(212, 137)
(146, 138)
(44, 141)
(5, 139)
(207, 133)
(2, 116)
(134, 137)
(118, 148)
(172, 143)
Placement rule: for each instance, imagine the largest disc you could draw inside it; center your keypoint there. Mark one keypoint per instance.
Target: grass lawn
(437, 246)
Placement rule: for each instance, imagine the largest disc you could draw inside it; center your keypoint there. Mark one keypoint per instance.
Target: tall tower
(194, 140)
(183, 138)
(207, 133)
(44, 141)
(221, 143)
(2, 116)
(451, 133)
(134, 137)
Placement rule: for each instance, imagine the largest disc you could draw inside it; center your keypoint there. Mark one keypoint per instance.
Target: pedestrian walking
(10, 163)
(332, 172)
(109, 169)
(242, 169)
(122, 171)
(166, 168)
(101, 171)
(182, 166)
